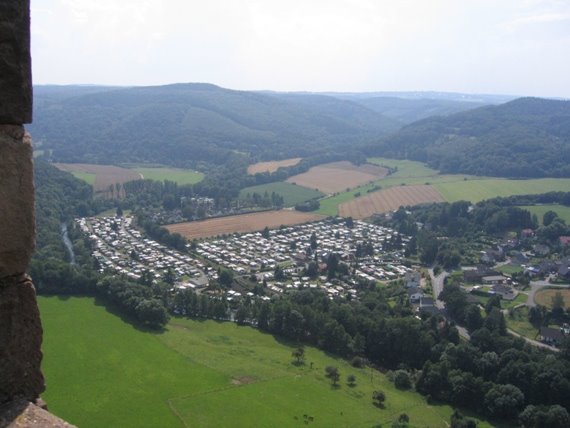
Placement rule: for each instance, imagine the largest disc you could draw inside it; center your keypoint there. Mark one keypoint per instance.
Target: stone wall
(20, 327)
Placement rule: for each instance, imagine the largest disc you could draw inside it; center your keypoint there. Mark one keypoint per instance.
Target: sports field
(180, 176)
(242, 223)
(101, 371)
(292, 194)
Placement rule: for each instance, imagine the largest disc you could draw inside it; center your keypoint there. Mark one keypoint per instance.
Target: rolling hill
(527, 137)
(183, 124)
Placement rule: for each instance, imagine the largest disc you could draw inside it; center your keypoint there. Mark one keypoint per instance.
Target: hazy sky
(519, 47)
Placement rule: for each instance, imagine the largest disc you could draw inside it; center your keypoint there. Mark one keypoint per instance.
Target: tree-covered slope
(411, 110)
(527, 137)
(185, 123)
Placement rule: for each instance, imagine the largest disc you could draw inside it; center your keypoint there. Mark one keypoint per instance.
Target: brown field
(388, 200)
(242, 223)
(338, 176)
(544, 297)
(105, 175)
(271, 166)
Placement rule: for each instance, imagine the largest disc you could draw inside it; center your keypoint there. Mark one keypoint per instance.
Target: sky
(515, 47)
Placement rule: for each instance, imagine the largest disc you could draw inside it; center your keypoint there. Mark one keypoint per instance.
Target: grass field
(88, 177)
(292, 194)
(101, 371)
(544, 296)
(180, 176)
(510, 269)
(478, 190)
(562, 211)
(519, 323)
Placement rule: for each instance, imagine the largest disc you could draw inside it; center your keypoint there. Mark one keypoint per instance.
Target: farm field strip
(389, 200)
(291, 193)
(178, 175)
(242, 223)
(338, 176)
(271, 166)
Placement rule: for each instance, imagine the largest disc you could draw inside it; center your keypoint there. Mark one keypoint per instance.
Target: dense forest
(185, 124)
(527, 137)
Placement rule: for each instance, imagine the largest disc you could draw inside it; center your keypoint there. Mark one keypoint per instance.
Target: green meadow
(562, 211)
(102, 371)
(180, 176)
(478, 190)
(292, 193)
(88, 177)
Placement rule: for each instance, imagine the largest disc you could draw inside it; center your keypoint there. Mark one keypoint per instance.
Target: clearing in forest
(338, 176)
(271, 166)
(242, 223)
(389, 200)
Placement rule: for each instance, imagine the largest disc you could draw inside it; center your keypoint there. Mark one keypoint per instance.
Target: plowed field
(242, 223)
(271, 166)
(338, 176)
(389, 200)
(105, 175)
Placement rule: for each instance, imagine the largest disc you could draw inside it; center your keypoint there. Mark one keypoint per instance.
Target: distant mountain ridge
(527, 137)
(195, 122)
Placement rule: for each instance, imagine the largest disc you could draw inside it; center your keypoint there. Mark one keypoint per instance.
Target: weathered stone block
(15, 62)
(23, 414)
(20, 339)
(17, 220)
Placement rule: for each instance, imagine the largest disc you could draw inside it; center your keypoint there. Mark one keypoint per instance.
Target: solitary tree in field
(298, 354)
(378, 398)
(351, 380)
(333, 374)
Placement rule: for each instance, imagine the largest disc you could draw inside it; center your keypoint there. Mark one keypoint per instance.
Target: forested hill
(527, 137)
(185, 123)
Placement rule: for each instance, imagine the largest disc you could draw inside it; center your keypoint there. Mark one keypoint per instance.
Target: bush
(402, 379)
(358, 362)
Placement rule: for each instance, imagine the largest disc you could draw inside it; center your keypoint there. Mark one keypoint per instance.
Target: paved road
(437, 287)
(437, 283)
(534, 342)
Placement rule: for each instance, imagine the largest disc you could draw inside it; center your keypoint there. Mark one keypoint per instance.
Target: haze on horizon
(517, 47)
